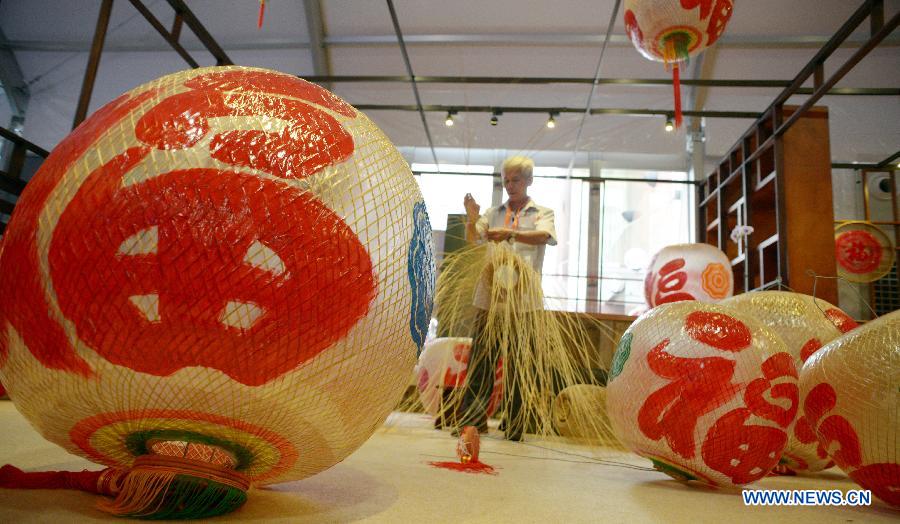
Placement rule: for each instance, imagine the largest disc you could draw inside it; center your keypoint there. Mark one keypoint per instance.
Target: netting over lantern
(672, 31)
(705, 392)
(228, 261)
(851, 401)
(805, 325)
(688, 272)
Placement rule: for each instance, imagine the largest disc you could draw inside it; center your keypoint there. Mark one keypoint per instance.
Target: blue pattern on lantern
(420, 268)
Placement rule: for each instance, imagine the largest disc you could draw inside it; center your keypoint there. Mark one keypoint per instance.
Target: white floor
(389, 480)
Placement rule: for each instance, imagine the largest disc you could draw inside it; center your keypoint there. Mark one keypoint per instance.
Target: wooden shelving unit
(783, 192)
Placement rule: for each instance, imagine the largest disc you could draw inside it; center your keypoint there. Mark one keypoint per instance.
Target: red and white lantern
(805, 324)
(705, 392)
(688, 272)
(442, 366)
(851, 401)
(223, 255)
(672, 31)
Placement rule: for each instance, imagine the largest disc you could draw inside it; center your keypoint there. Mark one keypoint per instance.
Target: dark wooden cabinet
(783, 192)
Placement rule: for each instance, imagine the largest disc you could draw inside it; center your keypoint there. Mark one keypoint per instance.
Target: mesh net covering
(805, 324)
(706, 392)
(850, 399)
(516, 358)
(228, 256)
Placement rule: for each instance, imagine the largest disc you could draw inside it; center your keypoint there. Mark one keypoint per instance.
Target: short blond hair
(519, 164)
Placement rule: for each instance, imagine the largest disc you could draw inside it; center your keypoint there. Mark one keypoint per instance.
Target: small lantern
(672, 31)
(688, 272)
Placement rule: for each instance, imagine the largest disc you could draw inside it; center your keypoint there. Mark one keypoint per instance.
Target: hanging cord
(587, 109)
(816, 278)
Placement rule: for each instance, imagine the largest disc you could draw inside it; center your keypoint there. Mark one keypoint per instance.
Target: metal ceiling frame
(879, 30)
(183, 15)
(593, 111)
(594, 84)
(524, 39)
(520, 80)
(412, 79)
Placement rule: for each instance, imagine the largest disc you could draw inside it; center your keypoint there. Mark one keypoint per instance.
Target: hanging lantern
(850, 400)
(220, 279)
(672, 31)
(442, 366)
(688, 272)
(805, 325)
(705, 392)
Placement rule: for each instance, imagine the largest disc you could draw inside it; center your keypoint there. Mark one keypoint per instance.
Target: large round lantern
(688, 272)
(222, 277)
(442, 369)
(704, 391)
(672, 31)
(803, 323)
(851, 401)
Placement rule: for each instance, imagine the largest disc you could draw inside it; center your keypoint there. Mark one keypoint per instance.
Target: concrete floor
(389, 479)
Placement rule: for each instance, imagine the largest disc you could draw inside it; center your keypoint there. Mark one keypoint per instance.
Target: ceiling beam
(532, 39)
(412, 79)
(13, 81)
(579, 110)
(315, 27)
(726, 42)
(183, 11)
(777, 84)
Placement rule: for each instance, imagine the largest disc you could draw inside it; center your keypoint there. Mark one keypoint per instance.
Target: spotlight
(494, 119)
(670, 125)
(551, 122)
(449, 120)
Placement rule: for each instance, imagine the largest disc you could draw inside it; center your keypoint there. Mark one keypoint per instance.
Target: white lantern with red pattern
(851, 401)
(688, 272)
(442, 366)
(672, 31)
(224, 259)
(805, 324)
(704, 391)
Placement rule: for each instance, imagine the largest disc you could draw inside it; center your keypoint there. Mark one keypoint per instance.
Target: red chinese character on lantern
(195, 271)
(742, 453)
(832, 429)
(779, 365)
(671, 281)
(699, 385)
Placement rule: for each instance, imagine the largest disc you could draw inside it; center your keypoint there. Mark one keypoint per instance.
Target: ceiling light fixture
(494, 115)
(551, 122)
(449, 120)
(670, 125)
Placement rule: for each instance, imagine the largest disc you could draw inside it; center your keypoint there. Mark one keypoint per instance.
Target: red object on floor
(471, 467)
(12, 477)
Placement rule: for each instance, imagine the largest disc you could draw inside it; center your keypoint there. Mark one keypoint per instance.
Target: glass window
(637, 220)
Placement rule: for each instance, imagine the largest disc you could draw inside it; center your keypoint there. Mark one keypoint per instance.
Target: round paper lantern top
(672, 31)
(688, 272)
(226, 257)
(851, 403)
(705, 392)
